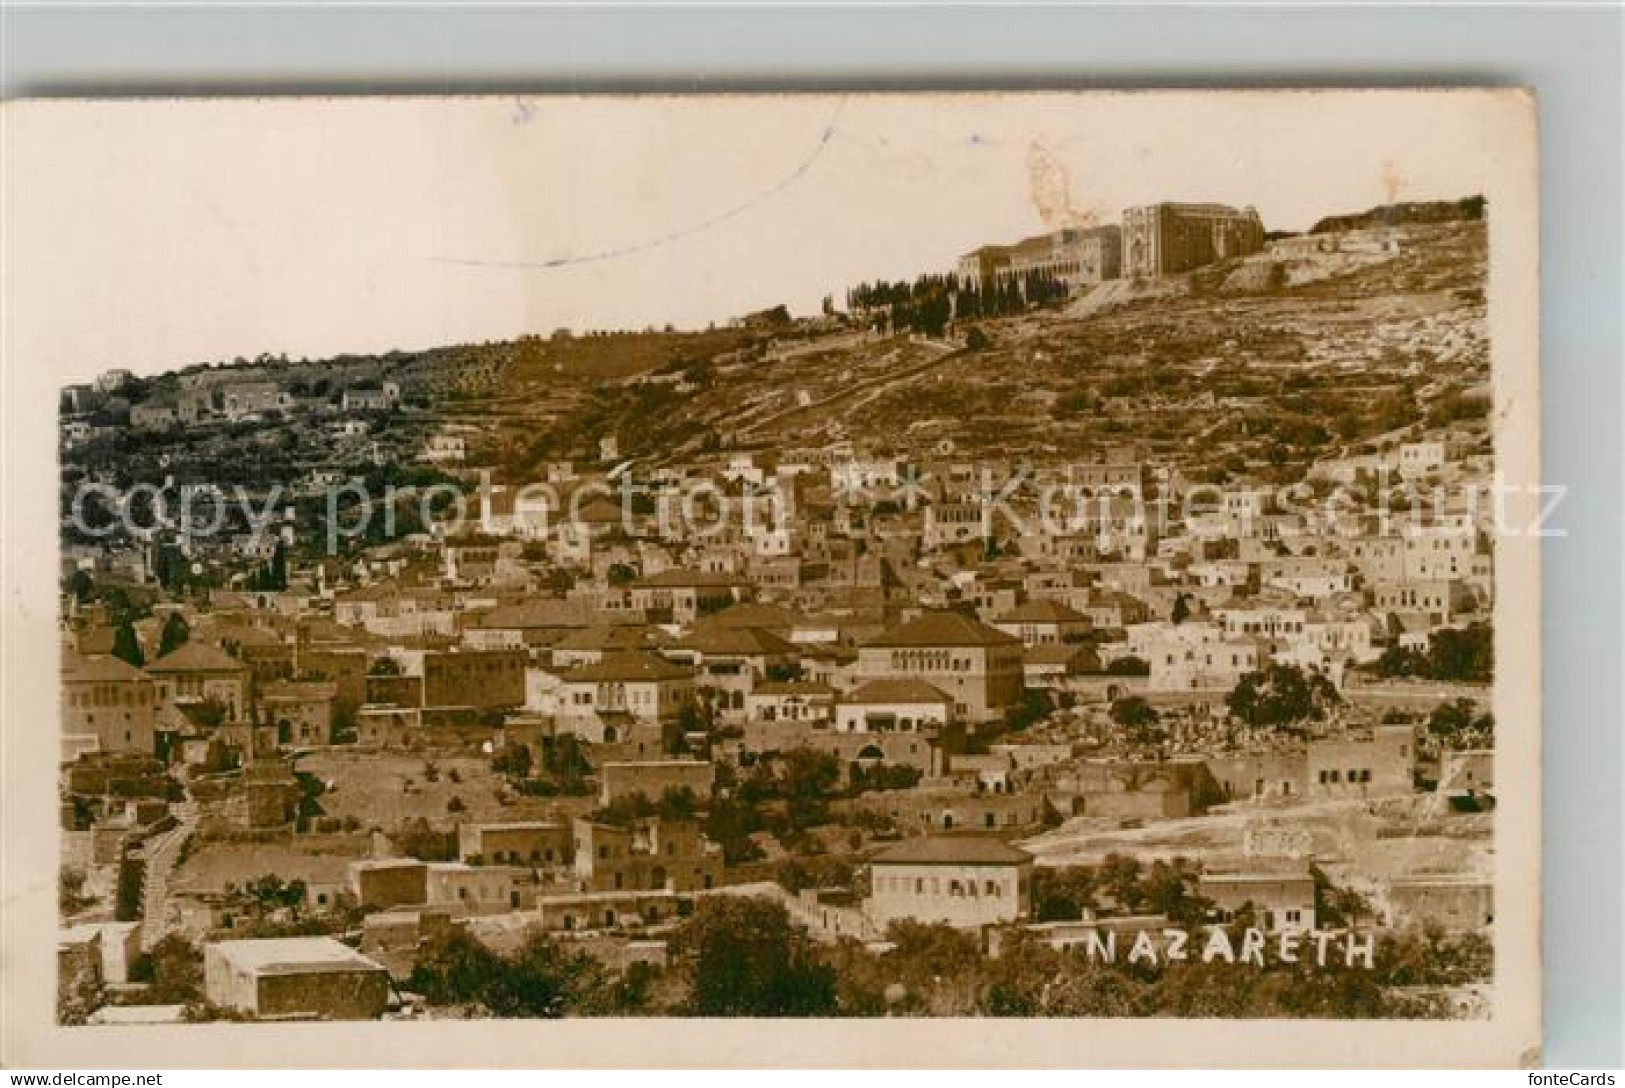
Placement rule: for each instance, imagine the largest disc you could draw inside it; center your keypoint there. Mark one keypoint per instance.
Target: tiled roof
(1060, 653)
(196, 657)
(632, 666)
(943, 629)
(543, 612)
(601, 637)
(96, 640)
(98, 669)
(891, 690)
(741, 641)
(951, 850)
(1043, 611)
(770, 617)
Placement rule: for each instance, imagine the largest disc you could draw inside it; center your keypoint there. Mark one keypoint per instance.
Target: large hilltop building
(1078, 257)
(1167, 239)
(1154, 240)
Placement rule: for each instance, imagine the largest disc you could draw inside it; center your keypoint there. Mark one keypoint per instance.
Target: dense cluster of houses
(962, 665)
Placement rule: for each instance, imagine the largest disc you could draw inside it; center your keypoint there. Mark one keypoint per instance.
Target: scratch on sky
(795, 175)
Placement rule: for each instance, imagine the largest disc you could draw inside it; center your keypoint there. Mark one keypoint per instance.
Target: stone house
(649, 853)
(965, 882)
(294, 978)
(1281, 893)
(977, 666)
(107, 705)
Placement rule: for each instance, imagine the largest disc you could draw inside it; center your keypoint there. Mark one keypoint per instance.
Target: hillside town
(1100, 624)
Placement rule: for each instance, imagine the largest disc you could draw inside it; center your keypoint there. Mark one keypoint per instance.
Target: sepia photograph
(828, 557)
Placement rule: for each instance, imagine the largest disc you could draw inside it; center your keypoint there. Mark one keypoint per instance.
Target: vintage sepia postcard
(1023, 579)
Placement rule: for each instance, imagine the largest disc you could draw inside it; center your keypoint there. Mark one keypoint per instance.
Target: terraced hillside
(1270, 360)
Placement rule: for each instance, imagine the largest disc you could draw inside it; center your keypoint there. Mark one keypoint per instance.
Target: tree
(1129, 665)
(1133, 712)
(1281, 696)
(1182, 609)
(1457, 724)
(385, 666)
(1399, 660)
(1034, 706)
(674, 732)
(279, 568)
(808, 779)
(539, 980)
(272, 893)
(562, 757)
(746, 959)
(729, 823)
(175, 634)
(1169, 889)
(173, 968)
(1336, 907)
(126, 647)
(210, 713)
(885, 776)
(1462, 656)
(1063, 894)
(415, 838)
(127, 894)
(512, 759)
(453, 968)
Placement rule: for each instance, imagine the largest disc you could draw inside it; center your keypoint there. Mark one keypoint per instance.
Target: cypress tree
(175, 634)
(126, 647)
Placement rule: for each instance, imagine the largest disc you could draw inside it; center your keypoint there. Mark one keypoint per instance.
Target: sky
(150, 235)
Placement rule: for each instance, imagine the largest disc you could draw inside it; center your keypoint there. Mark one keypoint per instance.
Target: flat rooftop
(293, 955)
